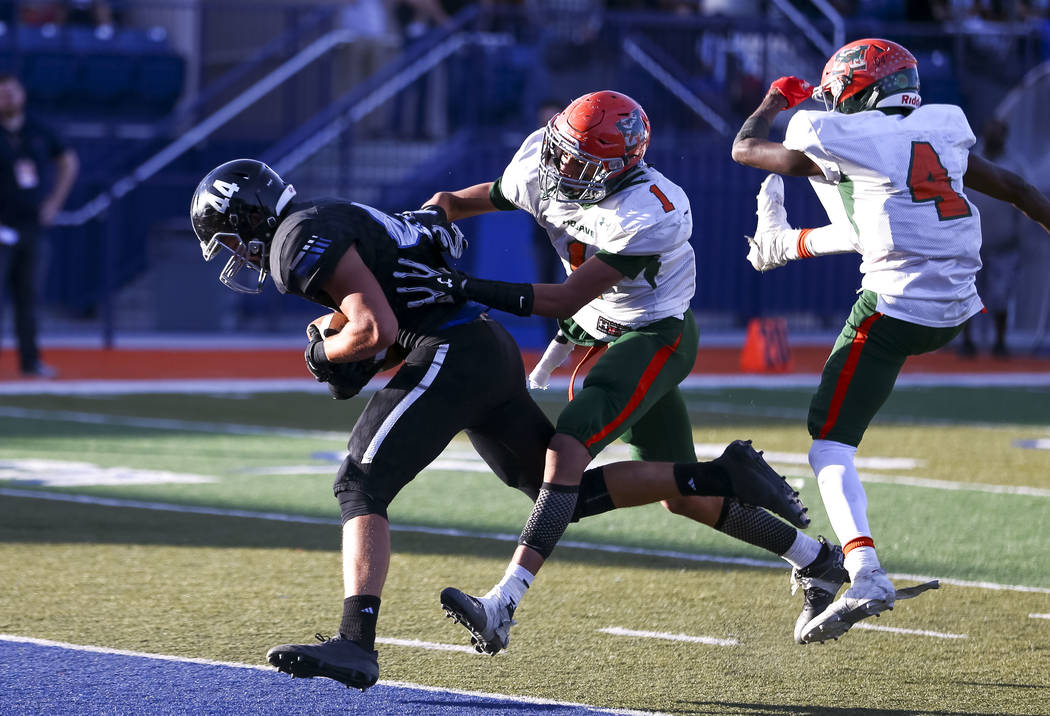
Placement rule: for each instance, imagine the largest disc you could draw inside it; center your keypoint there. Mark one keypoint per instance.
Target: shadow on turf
(717, 707)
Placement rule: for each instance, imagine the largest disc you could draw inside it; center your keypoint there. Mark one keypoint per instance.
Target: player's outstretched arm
(1003, 184)
(426, 285)
(464, 203)
(753, 148)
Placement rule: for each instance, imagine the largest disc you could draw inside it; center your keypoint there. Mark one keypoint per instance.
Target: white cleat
(869, 595)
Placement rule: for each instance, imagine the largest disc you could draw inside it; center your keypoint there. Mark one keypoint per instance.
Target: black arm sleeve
(516, 298)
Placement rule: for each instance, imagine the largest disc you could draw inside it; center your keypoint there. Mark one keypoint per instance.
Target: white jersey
(650, 216)
(897, 181)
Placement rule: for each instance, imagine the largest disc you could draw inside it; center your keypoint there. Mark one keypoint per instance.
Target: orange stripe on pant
(847, 373)
(648, 376)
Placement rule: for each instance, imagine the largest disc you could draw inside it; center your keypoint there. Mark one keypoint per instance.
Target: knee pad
(594, 496)
(355, 503)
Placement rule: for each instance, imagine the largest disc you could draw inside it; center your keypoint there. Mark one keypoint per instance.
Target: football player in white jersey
(622, 231)
(890, 173)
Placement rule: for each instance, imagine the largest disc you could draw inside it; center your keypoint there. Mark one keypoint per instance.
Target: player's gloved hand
(316, 360)
(434, 222)
(345, 380)
(427, 285)
(794, 89)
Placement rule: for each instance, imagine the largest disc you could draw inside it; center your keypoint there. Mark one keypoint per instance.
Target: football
(328, 324)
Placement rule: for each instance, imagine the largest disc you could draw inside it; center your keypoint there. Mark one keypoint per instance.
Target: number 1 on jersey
(928, 181)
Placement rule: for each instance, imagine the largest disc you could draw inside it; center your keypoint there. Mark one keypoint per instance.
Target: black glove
(434, 222)
(442, 285)
(431, 285)
(345, 380)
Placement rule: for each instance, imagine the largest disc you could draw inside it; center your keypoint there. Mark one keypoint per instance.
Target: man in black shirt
(459, 371)
(28, 148)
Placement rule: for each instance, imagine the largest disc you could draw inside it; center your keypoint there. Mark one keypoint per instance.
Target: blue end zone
(49, 680)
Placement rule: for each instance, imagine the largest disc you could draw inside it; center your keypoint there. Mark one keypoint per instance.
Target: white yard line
(1039, 616)
(260, 667)
(710, 640)
(449, 532)
(913, 632)
(558, 384)
(455, 458)
(429, 645)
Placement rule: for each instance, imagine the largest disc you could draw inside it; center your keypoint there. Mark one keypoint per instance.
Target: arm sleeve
(518, 188)
(802, 136)
(498, 200)
(309, 255)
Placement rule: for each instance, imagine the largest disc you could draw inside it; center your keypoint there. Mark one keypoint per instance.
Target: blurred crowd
(98, 14)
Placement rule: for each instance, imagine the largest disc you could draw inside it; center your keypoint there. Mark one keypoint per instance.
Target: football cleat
(756, 483)
(819, 581)
(334, 658)
(773, 233)
(870, 594)
(488, 618)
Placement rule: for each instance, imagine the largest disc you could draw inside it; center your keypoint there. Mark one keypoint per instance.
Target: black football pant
(18, 272)
(466, 378)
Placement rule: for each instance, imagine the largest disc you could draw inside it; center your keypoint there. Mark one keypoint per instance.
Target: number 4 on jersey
(928, 181)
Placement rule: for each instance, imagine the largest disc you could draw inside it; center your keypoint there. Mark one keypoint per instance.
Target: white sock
(840, 489)
(802, 551)
(860, 559)
(514, 583)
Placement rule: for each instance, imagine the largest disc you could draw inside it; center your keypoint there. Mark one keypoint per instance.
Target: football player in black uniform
(460, 371)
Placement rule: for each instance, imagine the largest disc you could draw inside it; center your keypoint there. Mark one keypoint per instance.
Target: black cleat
(820, 581)
(756, 483)
(487, 619)
(336, 658)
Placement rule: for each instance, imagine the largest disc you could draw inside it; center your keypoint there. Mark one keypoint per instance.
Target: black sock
(360, 614)
(703, 478)
(756, 527)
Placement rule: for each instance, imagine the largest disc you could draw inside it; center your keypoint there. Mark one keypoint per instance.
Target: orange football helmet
(597, 138)
(870, 74)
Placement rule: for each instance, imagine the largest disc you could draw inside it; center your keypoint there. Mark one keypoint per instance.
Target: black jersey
(311, 240)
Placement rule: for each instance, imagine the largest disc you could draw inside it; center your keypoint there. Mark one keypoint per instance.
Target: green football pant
(632, 393)
(862, 369)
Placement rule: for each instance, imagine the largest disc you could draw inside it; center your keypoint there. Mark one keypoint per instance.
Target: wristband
(317, 355)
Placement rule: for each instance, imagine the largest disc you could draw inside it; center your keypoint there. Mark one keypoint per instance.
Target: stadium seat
(44, 38)
(157, 81)
(103, 80)
(49, 76)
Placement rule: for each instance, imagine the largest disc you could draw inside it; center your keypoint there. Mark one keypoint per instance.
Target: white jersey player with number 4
(891, 175)
(896, 180)
(647, 218)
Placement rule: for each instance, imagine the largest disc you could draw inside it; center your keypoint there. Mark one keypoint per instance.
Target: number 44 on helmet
(236, 208)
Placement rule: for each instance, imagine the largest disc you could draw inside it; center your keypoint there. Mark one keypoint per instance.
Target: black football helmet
(237, 207)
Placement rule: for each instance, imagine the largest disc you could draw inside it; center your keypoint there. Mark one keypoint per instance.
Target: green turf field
(954, 497)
